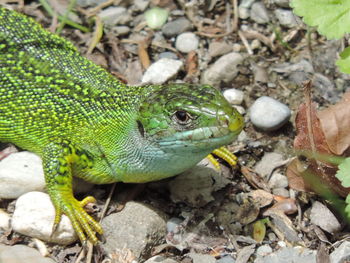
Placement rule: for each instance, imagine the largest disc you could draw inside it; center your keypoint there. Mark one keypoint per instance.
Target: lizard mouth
(200, 138)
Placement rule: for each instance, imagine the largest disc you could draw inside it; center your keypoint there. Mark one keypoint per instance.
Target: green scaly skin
(82, 121)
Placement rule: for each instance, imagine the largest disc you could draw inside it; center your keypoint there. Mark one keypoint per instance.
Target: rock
(120, 30)
(259, 14)
(288, 255)
(173, 224)
(227, 218)
(234, 96)
(20, 173)
(138, 228)
(186, 42)
(261, 197)
(141, 5)
(21, 254)
(224, 69)
(176, 27)
(201, 258)
(284, 225)
(263, 251)
(34, 216)
(161, 71)
(115, 15)
(325, 87)
(160, 259)
(226, 259)
(4, 220)
(169, 55)
(243, 8)
(266, 165)
(269, 114)
(301, 66)
(287, 18)
(281, 3)
(86, 3)
(324, 218)
(341, 254)
(195, 186)
(278, 180)
(281, 191)
(219, 48)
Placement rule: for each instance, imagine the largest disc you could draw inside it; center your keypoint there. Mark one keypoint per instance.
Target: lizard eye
(182, 117)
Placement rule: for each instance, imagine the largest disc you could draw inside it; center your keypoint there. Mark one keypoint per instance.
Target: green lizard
(82, 121)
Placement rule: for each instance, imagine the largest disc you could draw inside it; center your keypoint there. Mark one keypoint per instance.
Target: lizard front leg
(58, 159)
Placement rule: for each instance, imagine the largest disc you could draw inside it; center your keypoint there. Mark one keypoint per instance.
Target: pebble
(243, 12)
(219, 48)
(169, 55)
(224, 69)
(226, 259)
(120, 30)
(176, 27)
(281, 3)
(20, 254)
(278, 180)
(173, 224)
(263, 251)
(196, 185)
(269, 114)
(301, 66)
(289, 254)
(341, 254)
(324, 218)
(4, 220)
(86, 3)
(256, 44)
(267, 163)
(201, 258)
(161, 71)
(115, 15)
(20, 173)
(281, 192)
(325, 87)
(234, 96)
(287, 18)
(259, 14)
(186, 42)
(160, 259)
(241, 110)
(34, 216)
(138, 228)
(141, 5)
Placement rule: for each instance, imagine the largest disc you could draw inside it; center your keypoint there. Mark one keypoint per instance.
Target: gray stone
(281, 3)
(341, 254)
(201, 258)
(141, 5)
(289, 255)
(219, 48)
(325, 87)
(86, 3)
(301, 66)
(234, 96)
(34, 216)
(226, 259)
(225, 69)
(246, 3)
(259, 14)
(243, 12)
(266, 165)
(269, 114)
(278, 180)
(281, 191)
(324, 218)
(173, 224)
(20, 173)
(138, 228)
(21, 254)
(160, 259)
(120, 30)
(169, 55)
(263, 251)
(161, 71)
(287, 18)
(176, 27)
(186, 42)
(195, 186)
(114, 15)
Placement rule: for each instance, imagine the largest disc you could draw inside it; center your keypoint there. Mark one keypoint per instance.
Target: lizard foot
(84, 225)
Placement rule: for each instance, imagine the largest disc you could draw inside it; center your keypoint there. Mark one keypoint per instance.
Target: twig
(245, 42)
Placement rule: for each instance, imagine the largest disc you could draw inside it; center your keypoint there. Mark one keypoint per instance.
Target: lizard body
(82, 121)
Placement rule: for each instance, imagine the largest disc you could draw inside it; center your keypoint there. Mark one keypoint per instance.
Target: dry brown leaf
(295, 180)
(335, 123)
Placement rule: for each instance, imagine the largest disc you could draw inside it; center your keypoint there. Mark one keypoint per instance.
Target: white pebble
(161, 71)
(186, 42)
(20, 173)
(234, 96)
(4, 220)
(269, 114)
(34, 216)
(287, 18)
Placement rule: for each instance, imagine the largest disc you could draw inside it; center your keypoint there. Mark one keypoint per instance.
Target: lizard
(84, 122)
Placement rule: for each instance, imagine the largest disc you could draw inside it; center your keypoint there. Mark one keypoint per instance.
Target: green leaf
(344, 62)
(347, 208)
(343, 174)
(331, 17)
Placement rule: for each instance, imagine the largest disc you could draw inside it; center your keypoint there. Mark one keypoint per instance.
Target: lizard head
(192, 119)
